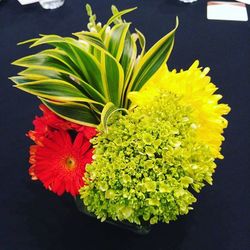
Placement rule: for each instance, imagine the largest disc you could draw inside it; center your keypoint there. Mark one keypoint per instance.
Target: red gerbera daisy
(60, 163)
(57, 160)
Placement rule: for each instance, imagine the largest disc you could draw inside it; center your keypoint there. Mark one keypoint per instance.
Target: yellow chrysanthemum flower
(197, 91)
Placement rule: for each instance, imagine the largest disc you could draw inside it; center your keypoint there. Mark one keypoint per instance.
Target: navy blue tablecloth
(32, 218)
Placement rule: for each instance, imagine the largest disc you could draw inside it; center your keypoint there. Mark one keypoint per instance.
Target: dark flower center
(70, 163)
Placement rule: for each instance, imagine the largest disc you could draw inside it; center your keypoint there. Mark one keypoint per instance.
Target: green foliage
(96, 67)
(146, 164)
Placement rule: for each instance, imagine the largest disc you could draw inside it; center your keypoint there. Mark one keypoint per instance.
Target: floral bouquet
(129, 139)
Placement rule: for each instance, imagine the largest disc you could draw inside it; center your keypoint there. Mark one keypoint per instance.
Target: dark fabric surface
(33, 218)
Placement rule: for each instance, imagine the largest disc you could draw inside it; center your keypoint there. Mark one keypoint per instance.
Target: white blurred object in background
(51, 4)
(244, 1)
(187, 1)
(24, 2)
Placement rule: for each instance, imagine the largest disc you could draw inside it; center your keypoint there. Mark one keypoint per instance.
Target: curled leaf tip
(176, 22)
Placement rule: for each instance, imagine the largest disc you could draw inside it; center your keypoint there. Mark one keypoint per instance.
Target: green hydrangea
(146, 164)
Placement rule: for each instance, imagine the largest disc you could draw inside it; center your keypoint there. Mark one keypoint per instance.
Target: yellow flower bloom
(195, 89)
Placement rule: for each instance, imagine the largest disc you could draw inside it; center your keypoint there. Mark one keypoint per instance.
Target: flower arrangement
(119, 131)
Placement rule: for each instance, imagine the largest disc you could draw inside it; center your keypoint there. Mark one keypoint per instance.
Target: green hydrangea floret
(146, 164)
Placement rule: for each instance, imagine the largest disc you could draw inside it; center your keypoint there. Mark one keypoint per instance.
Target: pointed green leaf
(112, 77)
(57, 42)
(35, 74)
(112, 72)
(21, 79)
(152, 61)
(116, 39)
(88, 64)
(90, 38)
(39, 74)
(76, 51)
(32, 40)
(78, 113)
(56, 90)
(142, 41)
(115, 16)
(44, 61)
(95, 42)
(128, 60)
(62, 57)
(92, 92)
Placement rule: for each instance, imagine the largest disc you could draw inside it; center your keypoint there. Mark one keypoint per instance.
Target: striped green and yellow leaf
(152, 61)
(74, 112)
(83, 78)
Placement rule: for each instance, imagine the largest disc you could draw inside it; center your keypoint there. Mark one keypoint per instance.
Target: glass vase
(142, 229)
